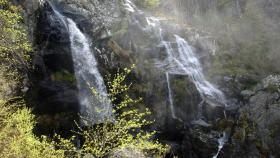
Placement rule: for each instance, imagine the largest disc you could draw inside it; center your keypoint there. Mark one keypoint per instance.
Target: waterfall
(94, 103)
(96, 107)
(171, 103)
(222, 141)
(190, 64)
(180, 60)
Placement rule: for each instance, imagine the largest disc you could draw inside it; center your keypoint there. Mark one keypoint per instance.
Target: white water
(222, 141)
(94, 107)
(130, 6)
(170, 96)
(190, 64)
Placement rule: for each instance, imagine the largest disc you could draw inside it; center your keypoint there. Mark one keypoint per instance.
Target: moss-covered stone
(64, 76)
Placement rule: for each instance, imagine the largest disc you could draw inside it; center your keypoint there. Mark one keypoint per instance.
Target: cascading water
(182, 60)
(170, 96)
(190, 64)
(95, 107)
(222, 142)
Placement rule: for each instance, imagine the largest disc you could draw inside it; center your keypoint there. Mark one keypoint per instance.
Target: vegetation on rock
(148, 3)
(17, 121)
(14, 48)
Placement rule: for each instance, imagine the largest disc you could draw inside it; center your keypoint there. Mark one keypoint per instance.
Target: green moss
(245, 127)
(148, 3)
(272, 88)
(181, 89)
(240, 135)
(64, 76)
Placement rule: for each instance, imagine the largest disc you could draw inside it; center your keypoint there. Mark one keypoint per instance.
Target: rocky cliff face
(262, 109)
(118, 41)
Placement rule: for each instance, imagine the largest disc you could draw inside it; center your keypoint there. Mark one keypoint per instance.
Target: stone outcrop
(256, 133)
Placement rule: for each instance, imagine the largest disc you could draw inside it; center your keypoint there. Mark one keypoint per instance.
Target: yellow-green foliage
(14, 47)
(17, 138)
(152, 3)
(244, 128)
(125, 130)
(13, 41)
(16, 121)
(148, 3)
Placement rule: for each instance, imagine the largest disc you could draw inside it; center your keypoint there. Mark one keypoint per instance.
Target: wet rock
(55, 97)
(53, 89)
(201, 123)
(186, 97)
(200, 144)
(246, 94)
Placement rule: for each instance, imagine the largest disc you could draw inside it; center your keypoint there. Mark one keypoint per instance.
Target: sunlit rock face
(191, 7)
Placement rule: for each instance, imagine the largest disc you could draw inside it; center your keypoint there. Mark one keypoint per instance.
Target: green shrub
(16, 121)
(14, 48)
(14, 43)
(17, 138)
(64, 76)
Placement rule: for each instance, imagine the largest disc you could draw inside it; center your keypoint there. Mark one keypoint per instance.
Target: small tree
(14, 44)
(125, 130)
(16, 134)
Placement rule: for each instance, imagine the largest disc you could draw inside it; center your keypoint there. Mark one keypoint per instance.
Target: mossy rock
(272, 88)
(64, 76)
